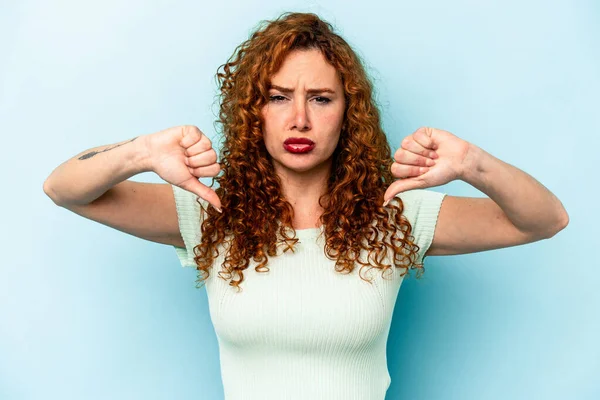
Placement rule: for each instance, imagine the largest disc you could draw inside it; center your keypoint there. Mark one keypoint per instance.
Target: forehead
(306, 67)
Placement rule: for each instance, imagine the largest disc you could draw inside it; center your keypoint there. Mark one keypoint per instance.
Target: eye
(276, 98)
(322, 100)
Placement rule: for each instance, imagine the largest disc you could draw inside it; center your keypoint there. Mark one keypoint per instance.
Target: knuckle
(212, 157)
(205, 146)
(194, 131)
(399, 170)
(398, 154)
(206, 143)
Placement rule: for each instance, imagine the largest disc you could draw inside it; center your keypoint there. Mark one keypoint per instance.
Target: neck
(303, 190)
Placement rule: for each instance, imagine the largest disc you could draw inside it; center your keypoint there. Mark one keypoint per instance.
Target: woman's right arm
(94, 183)
(87, 176)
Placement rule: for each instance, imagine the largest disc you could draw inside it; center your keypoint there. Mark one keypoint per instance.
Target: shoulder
(421, 203)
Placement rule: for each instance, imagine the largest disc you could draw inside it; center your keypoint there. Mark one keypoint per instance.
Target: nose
(301, 121)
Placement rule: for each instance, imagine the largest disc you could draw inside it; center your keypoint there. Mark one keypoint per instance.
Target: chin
(300, 167)
(301, 164)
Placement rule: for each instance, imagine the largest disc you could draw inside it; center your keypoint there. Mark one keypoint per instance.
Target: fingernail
(385, 203)
(218, 209)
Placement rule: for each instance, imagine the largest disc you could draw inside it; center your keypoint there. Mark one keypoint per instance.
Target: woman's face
(306, 101)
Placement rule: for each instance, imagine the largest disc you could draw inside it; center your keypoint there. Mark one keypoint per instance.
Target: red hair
(254, 209)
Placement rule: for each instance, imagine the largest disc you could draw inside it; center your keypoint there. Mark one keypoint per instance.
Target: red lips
(298, 145)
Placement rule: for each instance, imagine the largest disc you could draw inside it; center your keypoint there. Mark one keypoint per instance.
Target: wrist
(142, 159)
(473, 164)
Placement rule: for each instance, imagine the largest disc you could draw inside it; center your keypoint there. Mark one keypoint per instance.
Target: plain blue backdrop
(88, 312)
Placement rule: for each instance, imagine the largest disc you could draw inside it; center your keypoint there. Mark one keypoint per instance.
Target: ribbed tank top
(303, 330)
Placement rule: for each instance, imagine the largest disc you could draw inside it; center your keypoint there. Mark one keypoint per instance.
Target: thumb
(193, 185)
(397, 187)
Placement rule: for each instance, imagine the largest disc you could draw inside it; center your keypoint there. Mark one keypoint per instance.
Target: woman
(302, 202)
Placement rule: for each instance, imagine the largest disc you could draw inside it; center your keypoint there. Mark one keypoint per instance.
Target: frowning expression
(304, 114)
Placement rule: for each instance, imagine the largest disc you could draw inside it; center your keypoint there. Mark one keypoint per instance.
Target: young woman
(307, 218)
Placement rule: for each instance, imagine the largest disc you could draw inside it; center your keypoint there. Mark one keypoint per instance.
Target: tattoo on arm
(93, 153)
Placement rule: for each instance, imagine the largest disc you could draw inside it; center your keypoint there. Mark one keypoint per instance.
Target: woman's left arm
(528, 204)
(518, 210)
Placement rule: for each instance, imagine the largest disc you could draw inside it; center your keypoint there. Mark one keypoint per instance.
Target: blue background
(88, 312)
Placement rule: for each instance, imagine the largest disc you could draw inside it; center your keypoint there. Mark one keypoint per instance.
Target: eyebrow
(289, 90)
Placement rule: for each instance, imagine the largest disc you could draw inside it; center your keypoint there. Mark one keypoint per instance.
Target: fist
(180, 156)
(428, 157)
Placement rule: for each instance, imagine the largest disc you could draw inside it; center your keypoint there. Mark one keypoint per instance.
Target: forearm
(88, 175)
(528, 204)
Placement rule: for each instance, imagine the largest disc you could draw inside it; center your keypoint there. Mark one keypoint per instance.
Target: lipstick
(298, 145)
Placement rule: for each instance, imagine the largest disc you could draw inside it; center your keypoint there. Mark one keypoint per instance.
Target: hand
(182, 154)
(429, 157)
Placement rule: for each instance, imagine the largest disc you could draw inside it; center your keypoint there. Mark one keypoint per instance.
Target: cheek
(272, 120)
(337, 115)
(267, 126)
(334, 120)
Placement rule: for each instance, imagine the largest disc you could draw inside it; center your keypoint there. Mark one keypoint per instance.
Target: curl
(257, 218)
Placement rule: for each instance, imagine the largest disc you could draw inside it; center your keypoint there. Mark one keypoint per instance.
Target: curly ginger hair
(254, 209)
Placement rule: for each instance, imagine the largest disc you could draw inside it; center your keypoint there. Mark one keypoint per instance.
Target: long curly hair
(254, 209)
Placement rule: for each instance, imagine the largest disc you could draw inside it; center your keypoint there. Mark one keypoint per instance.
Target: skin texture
(302, 113)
